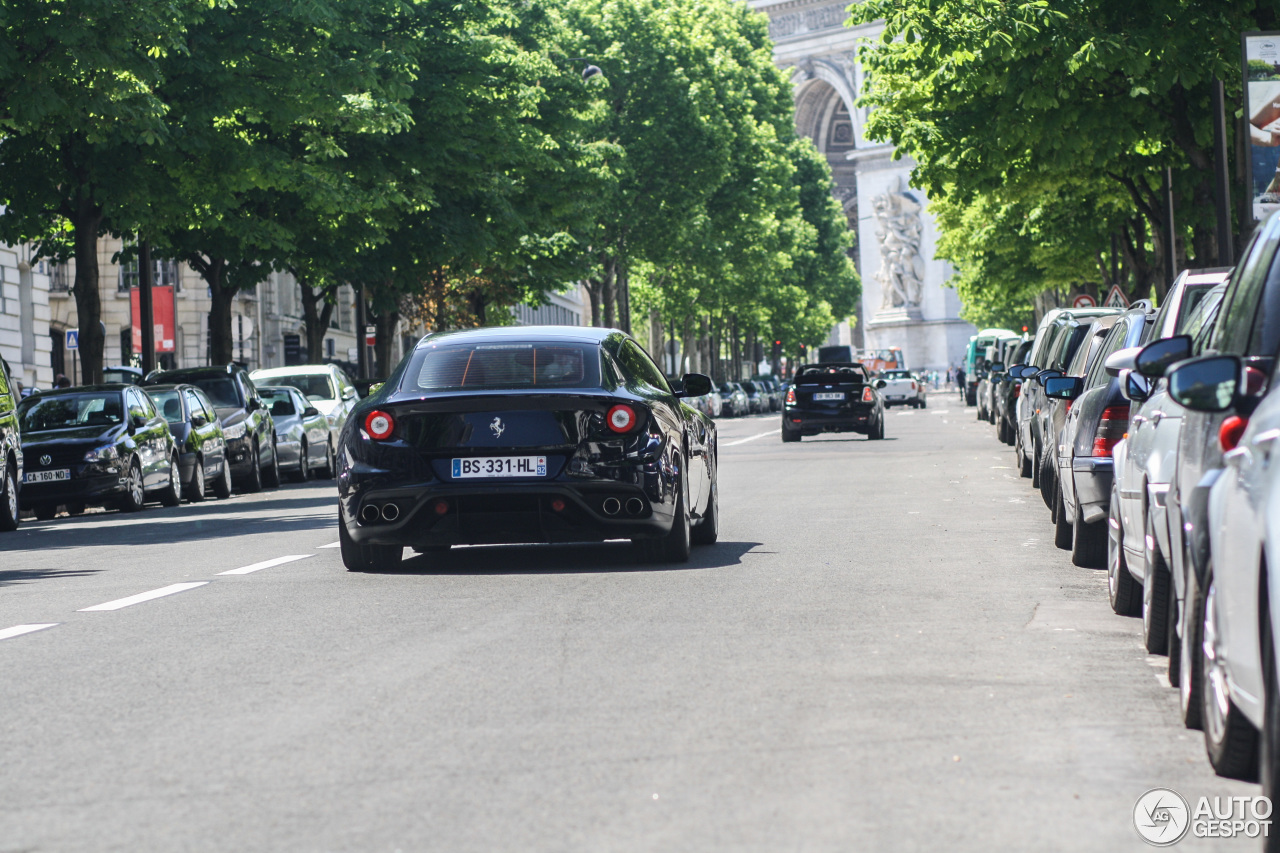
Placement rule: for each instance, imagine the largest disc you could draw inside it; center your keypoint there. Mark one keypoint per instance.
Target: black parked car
(10, 451)
(96, 445)
(246, 422)
(526, 434)
(197, 432)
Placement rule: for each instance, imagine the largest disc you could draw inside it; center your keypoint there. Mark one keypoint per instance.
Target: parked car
(1247, 327)
(103, 445)
(10, 452)
(197, 433)
(326, 386)
(757, 399)
(991, 370)
(1096, 421)
(121, 373)
(734, 400)
(833, 398)
(772, 389)
(1056, 341)
(1008, 391)
(526, 434)
(302, 433)
(246, 423)
(902, 388)
(1138, 551)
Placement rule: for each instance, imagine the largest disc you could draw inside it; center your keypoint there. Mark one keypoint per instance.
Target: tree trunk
(87, 221)
(592, 287)
(624, 297)
(221, 340)
(315, 319)
(386, 322)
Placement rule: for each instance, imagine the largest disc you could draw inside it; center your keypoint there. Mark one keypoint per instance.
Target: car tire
(222, 486)
(271, 476)
(1048, 480)
(75, 509)
(195, 488)
(1122, 588)
(1191, 672)
(1088, 542)
(9, 510)
(1025, 469)
(674, 546)
(1269, 751)
(924, 404)
(876, 433)
(171, 494)
(1036, 468)
(134, 497)
(330, 462)
(1171, 639)
(1155, 606)
(359, 557)
(304, 465)
(1230, 740)
(46, 512)
(790, 435)
(253, 480)
(1061, 527)
(708, 529)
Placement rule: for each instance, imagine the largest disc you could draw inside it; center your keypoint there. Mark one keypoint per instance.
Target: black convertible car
(526, 434)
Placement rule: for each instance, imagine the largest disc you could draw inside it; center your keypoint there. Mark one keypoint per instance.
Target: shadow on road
(13, 576)
(566, 559)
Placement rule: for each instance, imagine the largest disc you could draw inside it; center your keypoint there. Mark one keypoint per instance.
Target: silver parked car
(326, 386)
(302, 433)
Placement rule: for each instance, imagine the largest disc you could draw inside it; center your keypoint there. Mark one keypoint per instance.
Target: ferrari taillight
(621, 418)
(868, 396)
(1111, 428)
(379, 425)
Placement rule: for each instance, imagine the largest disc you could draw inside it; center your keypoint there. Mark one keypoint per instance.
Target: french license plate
(828, 395)
(47, 476)
(500, 466)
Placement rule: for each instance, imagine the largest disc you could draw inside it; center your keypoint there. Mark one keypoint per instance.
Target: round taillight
(379, 425)
(621, 418)
(1230, 432)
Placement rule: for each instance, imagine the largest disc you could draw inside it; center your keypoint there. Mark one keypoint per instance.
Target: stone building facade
(905, 301)
(25, 341)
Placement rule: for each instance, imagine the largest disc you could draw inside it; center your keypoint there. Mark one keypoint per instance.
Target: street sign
(1115, 298)
(1084, 300)
(370, 336)
(73, 339)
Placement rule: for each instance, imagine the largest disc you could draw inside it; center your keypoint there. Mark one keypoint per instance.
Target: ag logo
(497, 427)
(1161, 817)
(46, 459)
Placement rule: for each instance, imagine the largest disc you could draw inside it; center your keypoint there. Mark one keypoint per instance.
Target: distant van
(835, 354)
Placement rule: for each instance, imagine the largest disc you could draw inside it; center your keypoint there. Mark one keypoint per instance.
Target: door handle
(1238, 457)
(1139, 419)
(1265, 439)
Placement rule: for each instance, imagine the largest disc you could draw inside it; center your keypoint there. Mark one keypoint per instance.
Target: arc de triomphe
(904, 300)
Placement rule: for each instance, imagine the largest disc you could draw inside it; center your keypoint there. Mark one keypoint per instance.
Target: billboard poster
(161, 315)
(1261, 54)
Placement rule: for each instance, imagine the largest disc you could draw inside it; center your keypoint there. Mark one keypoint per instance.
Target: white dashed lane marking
(144, 596)
(19, 630)
(751, 438)
(332, 545)
(266, 564)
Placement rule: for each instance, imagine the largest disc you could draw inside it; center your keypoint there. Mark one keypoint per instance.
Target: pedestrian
(960, 377)
(61, 382)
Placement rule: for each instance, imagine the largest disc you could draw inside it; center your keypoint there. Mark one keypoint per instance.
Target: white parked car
(902, 389)
(326, 386)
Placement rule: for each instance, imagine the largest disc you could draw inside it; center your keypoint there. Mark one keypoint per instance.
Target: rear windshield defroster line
(508, 366)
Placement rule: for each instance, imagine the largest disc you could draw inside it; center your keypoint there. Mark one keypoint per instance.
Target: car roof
(295, 370)
(81, 389)
(582, 334)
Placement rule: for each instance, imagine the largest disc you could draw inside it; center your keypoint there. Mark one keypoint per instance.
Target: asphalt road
(883, 652)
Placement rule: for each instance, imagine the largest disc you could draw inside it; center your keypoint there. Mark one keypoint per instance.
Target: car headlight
(102, 454)
(233, 432)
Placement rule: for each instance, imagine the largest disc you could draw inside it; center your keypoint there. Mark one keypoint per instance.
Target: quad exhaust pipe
(614, 506)
(635, 506)
(369, 514)
(611, 506)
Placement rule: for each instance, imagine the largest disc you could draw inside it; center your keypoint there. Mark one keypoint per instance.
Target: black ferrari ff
(526, 434)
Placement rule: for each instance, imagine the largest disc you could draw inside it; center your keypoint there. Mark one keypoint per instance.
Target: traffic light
(804, 352)
(777, 350)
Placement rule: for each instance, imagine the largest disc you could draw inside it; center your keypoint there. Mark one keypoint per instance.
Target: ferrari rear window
(507, 365)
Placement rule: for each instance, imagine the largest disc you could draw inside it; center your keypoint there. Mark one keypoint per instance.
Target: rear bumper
(1093, 476)
(813, 421)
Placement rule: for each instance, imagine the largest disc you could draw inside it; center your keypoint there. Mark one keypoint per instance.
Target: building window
(126, 344)
(346, 300)
(165, 275)
(59, 278)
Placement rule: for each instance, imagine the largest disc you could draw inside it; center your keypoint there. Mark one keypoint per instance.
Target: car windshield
(469, 367)
(314, 386)
(170, 403)
(221, 390)
(68, 411)
(896, 374)
(279, 400)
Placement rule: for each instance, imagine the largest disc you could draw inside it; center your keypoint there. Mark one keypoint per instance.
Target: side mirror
(997, 367)
(1063, 387)
(880, 383)
(1048, 373)
(1155, 359)
(1205, 384)
(348, 393)
(310, 412)
(199, 420)
(137, 421)
(1134, 386)
(1120, 360)
(694, 385)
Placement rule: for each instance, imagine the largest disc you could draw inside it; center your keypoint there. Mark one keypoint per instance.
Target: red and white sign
(1084, 300)
(161, 315)
(1116, 298)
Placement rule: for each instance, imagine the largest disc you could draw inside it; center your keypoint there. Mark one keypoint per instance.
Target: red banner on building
(162, 317)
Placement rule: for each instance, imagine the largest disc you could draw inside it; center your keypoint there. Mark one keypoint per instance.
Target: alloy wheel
(1217, 701)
